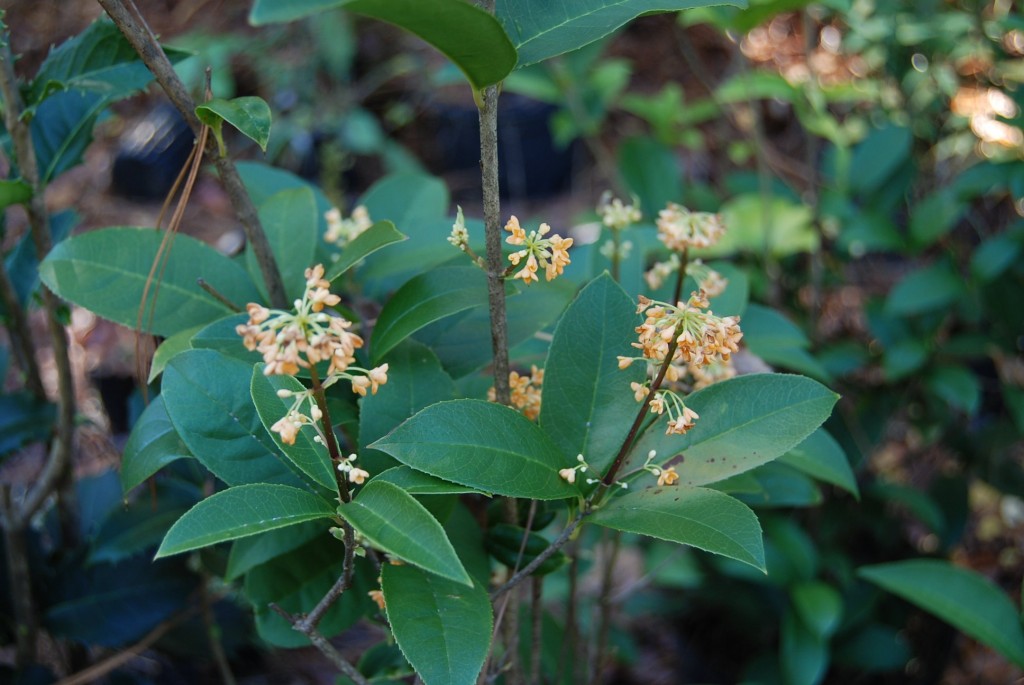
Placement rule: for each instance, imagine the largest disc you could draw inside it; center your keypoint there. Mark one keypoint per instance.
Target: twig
(217, 295)
(606, 604)
(555, 545)
(127, 18)
(97, 671)
(213, 633)
(310, 620)
(26, 622)
(24, 349)
(325, 648)
(59, 461)
(536, 626)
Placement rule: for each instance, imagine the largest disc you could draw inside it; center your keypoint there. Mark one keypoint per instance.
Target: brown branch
(555, 545)
(98, 670)
(310, 620)
(127, 18)
(19, 582)
(58, 464)
(325, 648)
(24, 349)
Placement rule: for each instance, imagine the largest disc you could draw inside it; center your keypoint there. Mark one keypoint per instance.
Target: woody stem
(332, 442)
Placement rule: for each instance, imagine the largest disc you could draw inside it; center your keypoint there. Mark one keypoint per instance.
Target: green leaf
(993, 256)
(821, 457)
(418, 483)
(425, 299)
(249, 114)
(777, 340)
(934, 216)
(957, 386)
(222, 336)
(290, 220)
(208, 399)
(309, 457)
(106, 270)
(789, 226)
(380, 235)
(587, 405)
(169, 348)
(277, 11)
(819, 606)
(467, 35)
(241, 511)
(699, 517)
(481, 445)
(62, 130)
(803, 655)
(14, 192)
(152, 445)
(24, 419)
(775, 485)
(878, 157)
(99, 59)
(141, 524)
(924, 290)
(540, 29)
(415, 381)
(965, 599)
(393, 521)
(443, 628)
(744, 422)
(249, 552)
(651, 170)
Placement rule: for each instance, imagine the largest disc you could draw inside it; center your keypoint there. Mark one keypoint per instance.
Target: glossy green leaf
(426, 298)
(222, 336)
(142, 523)
(778, 341)
(308, 456)
(241, 511)
(169, 348)
(249, 552)
(819, 606)
(934, 216)
(804, 656)
(24, 419)
(443, 628)
(821, 457)
(376, 237)
(744, 422)
(106, 270)
(14, 192)
(481, 445)
(418, 483)
(924, 290)
(249, 114)
(540, 29)
(699, 517)
(774, 485)
(415, 381)
(651, 170)
(99, 59)
(62, 130)
(467, 35)
(587, 406)
(152, 445)
(264, 181)
(290, 221)
(208, 399)
(961, 597)
(393, 521)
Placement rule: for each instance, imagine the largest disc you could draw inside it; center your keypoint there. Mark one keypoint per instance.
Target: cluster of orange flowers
(298, 339)
(551, 253)
(341, 231)
(526, 392)
(679, 228)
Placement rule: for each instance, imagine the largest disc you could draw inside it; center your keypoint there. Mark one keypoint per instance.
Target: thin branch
(24, 348)
(536, 626)
(492, 228)
(218, 295)
(325, 648)
(127, 18)
(310, 620)
(555, 545)
(58, 464)
(19, 583)
(98, 670)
